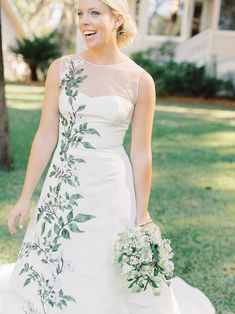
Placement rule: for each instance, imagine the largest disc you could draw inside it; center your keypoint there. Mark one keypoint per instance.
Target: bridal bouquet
(144, 258)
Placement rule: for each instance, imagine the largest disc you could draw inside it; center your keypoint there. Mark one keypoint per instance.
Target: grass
(192, 196)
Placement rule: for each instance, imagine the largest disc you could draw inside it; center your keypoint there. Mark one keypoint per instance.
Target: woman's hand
(20, 211)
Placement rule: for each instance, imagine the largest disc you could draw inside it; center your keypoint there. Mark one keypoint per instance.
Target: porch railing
(196, 49)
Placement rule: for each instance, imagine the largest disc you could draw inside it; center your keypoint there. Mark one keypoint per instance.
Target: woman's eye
(92, 12)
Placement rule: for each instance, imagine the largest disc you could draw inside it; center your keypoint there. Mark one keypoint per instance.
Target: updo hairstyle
(128, 29)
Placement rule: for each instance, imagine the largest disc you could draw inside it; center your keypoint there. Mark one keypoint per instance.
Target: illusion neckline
(110, 64)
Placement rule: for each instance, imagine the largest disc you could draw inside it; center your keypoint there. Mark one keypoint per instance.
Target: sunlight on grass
(17, 89)
(24, 106)
(219, 181)
(215, 113)
(219, 177)
(218, 139)
(24, 97)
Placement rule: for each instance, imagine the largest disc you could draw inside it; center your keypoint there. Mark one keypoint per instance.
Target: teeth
(89, 33)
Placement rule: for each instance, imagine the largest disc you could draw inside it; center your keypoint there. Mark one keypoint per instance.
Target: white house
(203, 29)
(13, 26)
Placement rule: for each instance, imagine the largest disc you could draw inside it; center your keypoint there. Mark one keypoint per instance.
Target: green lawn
(193, 190)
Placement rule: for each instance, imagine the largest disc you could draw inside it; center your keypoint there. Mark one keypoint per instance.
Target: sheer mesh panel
(103, 80)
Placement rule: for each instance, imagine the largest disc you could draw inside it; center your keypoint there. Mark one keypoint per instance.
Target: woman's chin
(93, 44)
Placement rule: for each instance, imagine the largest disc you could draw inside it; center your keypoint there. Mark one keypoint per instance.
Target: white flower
(127, 268)
(78, 62)
(134, 260)
(54, 297)
(55, 282)
(69, 265)
(64, 202)
(43, 288)
(140, 249)
(51, 255)
(75, 169)
(29, 308)
(66, 168)
(80, 117)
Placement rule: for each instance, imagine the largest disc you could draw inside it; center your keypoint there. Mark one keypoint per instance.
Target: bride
(113, 90)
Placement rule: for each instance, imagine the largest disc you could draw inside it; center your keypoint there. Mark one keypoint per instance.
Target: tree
(5, 151)
(37, 52)
(45, 15)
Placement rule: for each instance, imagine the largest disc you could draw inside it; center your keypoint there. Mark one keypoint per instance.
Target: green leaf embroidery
(56, 229)
(83, 217)
(87, 145)
(68, 298)
(61, 222)
(70, 216)
(27, 281)
(74, 228)
(43, 227)
(66, 234)
(59, 210)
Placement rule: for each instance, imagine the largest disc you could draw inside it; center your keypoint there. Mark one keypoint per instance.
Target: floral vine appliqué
(56, 216)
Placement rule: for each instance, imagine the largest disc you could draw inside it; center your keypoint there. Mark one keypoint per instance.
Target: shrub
(183, 78)
(37, 52)
(229, 85)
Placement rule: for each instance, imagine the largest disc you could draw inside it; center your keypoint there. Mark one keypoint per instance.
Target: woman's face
(96, 17)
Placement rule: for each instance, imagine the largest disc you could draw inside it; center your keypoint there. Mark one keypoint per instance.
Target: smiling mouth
(91, 34)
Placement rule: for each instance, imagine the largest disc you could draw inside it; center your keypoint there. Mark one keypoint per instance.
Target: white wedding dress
(65, 261)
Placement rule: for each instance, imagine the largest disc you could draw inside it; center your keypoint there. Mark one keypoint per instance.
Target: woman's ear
(119, 21)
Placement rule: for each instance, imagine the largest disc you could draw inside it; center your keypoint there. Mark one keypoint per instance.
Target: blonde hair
(128, 29)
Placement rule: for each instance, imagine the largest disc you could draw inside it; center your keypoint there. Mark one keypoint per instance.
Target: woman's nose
(84, 19)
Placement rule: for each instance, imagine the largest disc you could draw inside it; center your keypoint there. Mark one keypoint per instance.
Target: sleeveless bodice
(97, 101)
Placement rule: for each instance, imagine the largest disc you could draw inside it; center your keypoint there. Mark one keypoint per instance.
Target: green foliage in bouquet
(144, 258)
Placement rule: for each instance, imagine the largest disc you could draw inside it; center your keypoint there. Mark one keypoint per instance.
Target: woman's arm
(42, 146)
(141, 149)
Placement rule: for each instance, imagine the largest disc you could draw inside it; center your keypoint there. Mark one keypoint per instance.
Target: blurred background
(196, 31)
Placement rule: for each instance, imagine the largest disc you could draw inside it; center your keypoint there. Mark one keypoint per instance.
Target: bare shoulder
(146, 89)
(53, 72)
(54, 66)
(146, 79)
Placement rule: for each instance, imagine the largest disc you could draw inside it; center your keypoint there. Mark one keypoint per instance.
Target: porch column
(142, 18)
(187, 19)
(216, 15)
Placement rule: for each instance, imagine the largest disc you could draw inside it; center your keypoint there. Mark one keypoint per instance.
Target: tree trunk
(33, 69)
(5, 151)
